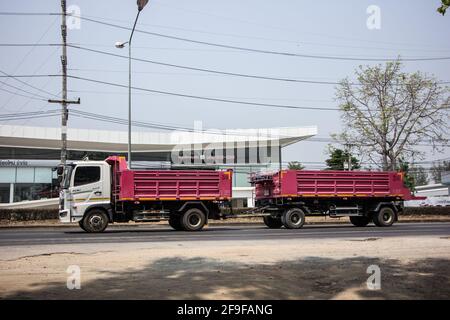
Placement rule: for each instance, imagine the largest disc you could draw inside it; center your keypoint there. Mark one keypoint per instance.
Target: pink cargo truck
(287, 196)
(96, 193)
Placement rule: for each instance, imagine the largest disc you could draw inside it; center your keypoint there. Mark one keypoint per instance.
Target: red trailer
(100, 192)
(364, 196)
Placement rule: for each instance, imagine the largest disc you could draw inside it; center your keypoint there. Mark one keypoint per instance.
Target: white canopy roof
(116, 141)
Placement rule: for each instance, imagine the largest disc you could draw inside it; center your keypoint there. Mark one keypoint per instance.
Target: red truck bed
(307, 183)
(143, 185)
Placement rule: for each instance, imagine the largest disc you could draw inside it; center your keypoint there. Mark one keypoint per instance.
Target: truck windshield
(66, 177)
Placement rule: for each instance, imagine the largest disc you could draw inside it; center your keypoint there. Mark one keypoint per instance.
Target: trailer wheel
(175, 222)
(193, 220)
(95, 221)
(360, 221)
(273, 223)
(293, 218)
(384, 218)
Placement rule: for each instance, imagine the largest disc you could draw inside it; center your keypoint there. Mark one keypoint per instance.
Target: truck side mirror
(60, 171)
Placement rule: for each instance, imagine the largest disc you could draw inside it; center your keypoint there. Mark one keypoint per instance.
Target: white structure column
(11, 192)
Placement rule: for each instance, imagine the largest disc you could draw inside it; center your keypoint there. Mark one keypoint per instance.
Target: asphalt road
(159, 233)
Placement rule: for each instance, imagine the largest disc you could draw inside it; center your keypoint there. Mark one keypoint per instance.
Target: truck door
(86, 188)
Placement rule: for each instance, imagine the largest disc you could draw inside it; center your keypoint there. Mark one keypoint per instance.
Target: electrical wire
(205, 70)
(18, 94)
(25, 91)
(246, 49)
(204, 98)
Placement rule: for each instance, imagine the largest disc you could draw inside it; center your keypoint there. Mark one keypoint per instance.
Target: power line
(26, 56)
(225, 97)
(235, 74)
(270, 39)
(27, 84)
(31, 76)
(289, 54)
(204, 98)
(206, 70)
(210, 70)
(32, 113)
(29, 115)
(259, 50)
(33, 96)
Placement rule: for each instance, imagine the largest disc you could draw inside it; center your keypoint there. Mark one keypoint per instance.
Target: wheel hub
(194, 220)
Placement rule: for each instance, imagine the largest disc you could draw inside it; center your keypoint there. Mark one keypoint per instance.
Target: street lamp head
(120, 45)
(141, 4)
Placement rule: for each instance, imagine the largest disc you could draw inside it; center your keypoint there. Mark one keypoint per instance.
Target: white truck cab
(86, 184)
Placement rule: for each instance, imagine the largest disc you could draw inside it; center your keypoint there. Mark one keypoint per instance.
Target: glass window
(43, 175)
(7, 175)
(33, 191)
(4, 192)
(85, 175)
(25, 175)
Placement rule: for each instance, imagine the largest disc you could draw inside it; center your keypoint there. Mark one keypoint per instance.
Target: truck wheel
(175, 222)
(95, 221)
(360, 221)
(81, 224)
(193, 220)
(272, 223)
(384, 218)
(293, 218)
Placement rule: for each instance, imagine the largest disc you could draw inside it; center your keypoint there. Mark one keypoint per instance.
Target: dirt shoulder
(411, 268)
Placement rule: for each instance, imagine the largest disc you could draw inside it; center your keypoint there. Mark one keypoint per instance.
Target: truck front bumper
(64, 216)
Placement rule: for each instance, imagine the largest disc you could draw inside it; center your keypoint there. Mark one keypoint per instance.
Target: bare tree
(387, 113)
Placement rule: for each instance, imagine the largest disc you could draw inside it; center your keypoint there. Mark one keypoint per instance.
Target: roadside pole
(64, 102)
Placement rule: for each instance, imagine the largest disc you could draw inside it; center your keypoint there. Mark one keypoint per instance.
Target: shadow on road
(309, 278)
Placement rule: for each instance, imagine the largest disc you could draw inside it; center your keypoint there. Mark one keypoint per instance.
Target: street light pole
(129, 89)
(141, 4)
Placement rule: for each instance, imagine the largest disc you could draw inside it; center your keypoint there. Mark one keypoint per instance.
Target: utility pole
(64, 102)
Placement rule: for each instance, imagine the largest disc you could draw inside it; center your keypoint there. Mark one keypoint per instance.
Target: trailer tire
(95, 221)
(273, 223)
(293, 218)
(175, 222)
(360, 221)
(385, 217)
(193, 220)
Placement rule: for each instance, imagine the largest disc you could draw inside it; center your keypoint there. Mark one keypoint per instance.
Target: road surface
(160, 233)
(227, 262)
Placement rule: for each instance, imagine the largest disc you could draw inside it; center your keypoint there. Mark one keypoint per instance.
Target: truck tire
(175, 222)
(360, 221)
(193, 220)
(81, 224)
(95, 221)
(293, 218)
(384, 218)
(272, 222)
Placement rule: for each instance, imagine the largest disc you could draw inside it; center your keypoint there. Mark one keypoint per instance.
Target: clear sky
(326, 28)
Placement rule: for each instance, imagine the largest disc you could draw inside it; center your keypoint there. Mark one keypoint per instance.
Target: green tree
(295, 165)
(338, 160)
(387, 113)
(443, 8)
(408, 179)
